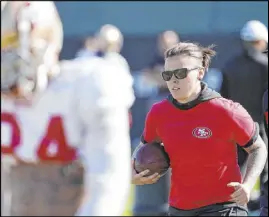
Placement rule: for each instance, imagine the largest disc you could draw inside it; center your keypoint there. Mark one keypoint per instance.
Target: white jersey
(83, 114)
(118, 60)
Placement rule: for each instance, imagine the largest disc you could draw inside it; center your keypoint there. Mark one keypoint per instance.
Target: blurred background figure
(110, 43)
(107, 43)
(164, 41)
(245, 78)
(62, 122)
(89, 49)
(110, 39)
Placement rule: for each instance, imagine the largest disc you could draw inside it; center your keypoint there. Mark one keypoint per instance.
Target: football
(153, 157)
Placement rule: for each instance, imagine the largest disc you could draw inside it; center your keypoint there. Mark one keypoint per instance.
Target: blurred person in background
(110, 42)
(164, 41)
(152, 200)
(245, 78)
(90, 48)
(60, 130)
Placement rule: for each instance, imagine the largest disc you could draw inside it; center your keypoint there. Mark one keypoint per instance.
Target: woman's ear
(201, 74)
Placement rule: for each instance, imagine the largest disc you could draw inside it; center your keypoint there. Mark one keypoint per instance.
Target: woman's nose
(174, 80)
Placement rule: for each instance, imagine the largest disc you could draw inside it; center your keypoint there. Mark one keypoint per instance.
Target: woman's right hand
(139, 179)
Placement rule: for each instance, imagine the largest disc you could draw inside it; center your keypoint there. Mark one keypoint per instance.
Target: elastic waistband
(209, 208)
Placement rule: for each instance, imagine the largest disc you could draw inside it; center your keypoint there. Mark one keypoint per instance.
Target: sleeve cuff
(254, 137)
(142, 139)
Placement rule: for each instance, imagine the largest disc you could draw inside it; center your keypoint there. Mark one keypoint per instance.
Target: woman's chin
(180, 98)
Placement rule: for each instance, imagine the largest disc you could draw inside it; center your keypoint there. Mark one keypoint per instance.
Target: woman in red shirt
(200, 131)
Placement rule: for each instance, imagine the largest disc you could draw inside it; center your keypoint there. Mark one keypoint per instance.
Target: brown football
(151, 156)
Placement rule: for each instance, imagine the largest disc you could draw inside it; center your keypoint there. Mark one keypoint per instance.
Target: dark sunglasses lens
(181, 73)
(167, 75)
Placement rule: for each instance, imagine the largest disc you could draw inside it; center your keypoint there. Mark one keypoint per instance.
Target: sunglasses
(179, 73)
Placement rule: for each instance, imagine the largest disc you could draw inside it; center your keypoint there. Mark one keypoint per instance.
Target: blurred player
(62, 124)
(110, 40)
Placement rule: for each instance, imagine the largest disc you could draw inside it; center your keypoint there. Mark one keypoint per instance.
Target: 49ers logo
(202, 132)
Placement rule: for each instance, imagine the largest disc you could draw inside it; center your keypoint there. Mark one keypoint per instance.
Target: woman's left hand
(241, 195)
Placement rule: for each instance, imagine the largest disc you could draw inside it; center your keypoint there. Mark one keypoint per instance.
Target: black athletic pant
(222, 209)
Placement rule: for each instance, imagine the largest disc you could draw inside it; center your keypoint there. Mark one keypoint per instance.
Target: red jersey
(200, 139)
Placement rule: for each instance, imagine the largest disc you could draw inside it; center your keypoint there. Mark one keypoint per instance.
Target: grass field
(129, 204)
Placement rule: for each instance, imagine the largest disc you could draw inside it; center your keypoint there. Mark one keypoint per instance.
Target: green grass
(129, 204)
